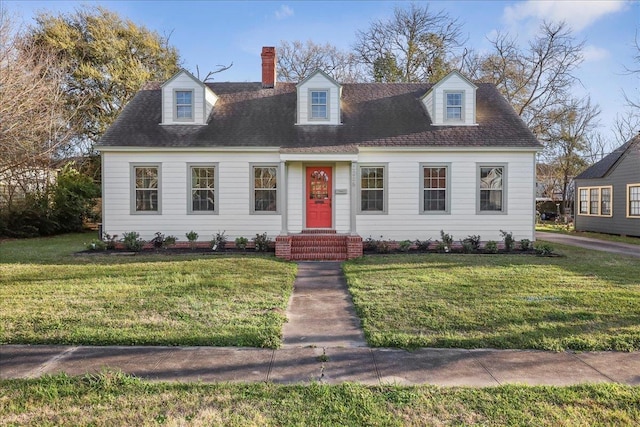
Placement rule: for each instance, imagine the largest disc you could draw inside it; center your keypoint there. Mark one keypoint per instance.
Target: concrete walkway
(588, 243)
(323, 342)
(321, 313)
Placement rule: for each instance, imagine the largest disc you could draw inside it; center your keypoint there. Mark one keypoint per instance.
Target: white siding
(427, 100)
(233, 196)
(210, 99)
(296, 197)
(318, 82)
(182, 81)
(404, 221)
(342, 202)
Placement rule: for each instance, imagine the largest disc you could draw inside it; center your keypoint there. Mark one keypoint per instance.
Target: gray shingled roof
(602, 168)
(373, 115)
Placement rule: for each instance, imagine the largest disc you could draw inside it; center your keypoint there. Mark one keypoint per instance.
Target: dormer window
(319, 109)
(454, 106)
(184, 105)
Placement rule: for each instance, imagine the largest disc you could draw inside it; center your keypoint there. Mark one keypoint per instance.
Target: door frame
(332, 166)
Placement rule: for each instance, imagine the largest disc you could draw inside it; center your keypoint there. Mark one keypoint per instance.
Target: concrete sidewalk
(445, 367)
(588, 243)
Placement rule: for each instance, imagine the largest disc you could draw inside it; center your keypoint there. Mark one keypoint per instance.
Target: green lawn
(565, 229)
(50, 296)
(586, 300)
(116, 399)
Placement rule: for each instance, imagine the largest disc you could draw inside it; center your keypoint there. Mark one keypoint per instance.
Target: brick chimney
(268, 67)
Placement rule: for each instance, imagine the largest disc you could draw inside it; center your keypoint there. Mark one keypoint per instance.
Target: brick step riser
(319, 250)
(317, 257)
(319, 241)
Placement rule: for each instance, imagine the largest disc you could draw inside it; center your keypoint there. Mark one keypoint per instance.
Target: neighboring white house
(392, 161)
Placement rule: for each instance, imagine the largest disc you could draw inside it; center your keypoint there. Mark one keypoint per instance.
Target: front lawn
(587, 300)
(50, 296)
(116, 399)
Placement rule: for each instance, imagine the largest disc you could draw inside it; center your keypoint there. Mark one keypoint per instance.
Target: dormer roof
(315, 73)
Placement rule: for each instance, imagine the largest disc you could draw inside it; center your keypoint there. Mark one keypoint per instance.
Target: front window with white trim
(319, 108)
(453, 108)
(264, 189)
(491, 188)
(435, 193)
(184, 105)
(203, 189)
(146, 188)
(372, 188)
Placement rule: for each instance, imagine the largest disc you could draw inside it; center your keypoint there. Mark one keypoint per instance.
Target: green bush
(72, 200)
(525, 244)
(508, 240)
(404, 245)
(132, 241)
(262, 242)
(491, 247)
(423, 245)
(543, 249)
(241, 243)
(96, 245)
(219, 242)
(471, 244)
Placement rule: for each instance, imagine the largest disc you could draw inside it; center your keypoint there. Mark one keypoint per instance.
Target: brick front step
(317, 246)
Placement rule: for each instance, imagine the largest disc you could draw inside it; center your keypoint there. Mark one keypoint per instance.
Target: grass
(51, 296)
(586, 300)
(566, 229)
(117, 399)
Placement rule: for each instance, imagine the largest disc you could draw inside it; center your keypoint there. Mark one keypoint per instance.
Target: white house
(319, 165)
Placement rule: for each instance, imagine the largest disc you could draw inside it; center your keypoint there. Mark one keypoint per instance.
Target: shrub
(423, 245)
(508, 240)
(442, 246)
(132, 241)
(369, 244)
(262, 242)
(525, 244)
(544, 249)
(96, 245)
(241, 243)
(383, 246)
(471, 244)
(158, 241)
(192, 237)
(491, 247)
(109, 240)
(170, 240)
(447, 239)
(405, 245)
(219, 242)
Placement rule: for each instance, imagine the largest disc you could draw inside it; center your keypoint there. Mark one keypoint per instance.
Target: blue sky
(211, 33)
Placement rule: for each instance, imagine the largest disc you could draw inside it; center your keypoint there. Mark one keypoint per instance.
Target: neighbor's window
(203, 188)
(434, 188)
(491, 188)
(595, 201)
(146, 188)
(319, 104)
(265, 188)
(605, 201)
(454, 106)
(584, 201)
(633, 196)
(372, 188)
(184, 104)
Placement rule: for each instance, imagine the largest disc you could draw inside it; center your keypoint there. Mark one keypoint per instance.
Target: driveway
(588, 243)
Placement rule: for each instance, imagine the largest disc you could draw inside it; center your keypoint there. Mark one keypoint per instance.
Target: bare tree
(627, 124)
(534, 79)
(297, 60)
(415, 45)
(569, 141)
(35, 123)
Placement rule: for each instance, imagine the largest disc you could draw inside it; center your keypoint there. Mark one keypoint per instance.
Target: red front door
(319, 197)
